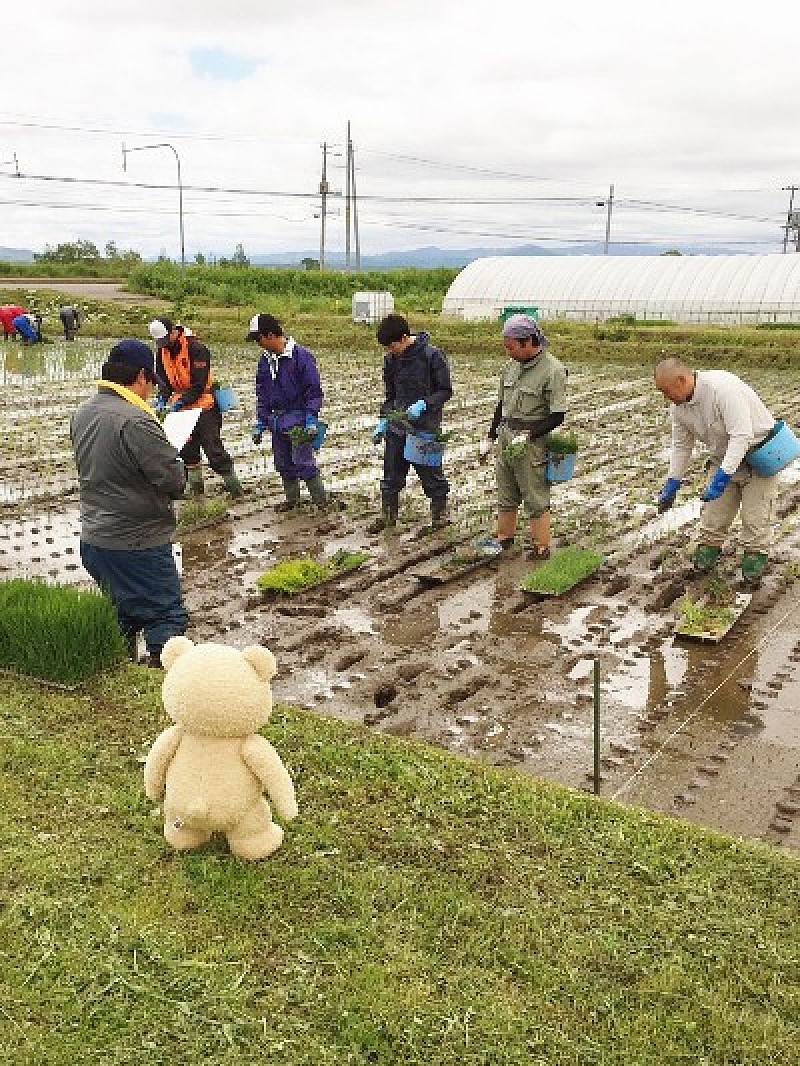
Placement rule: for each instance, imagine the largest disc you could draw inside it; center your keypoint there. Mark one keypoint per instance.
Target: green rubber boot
(390, 507)
(291, 488)
(317, 492)
(705, 558)
(753, 566)
(233, 486)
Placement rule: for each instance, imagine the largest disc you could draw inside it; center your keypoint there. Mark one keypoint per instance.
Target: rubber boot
(439, 517)
(390, 507)
(194, 481)
(753, 566)
(233, 486)
(705, 558)
(291, 488)
(317, 492)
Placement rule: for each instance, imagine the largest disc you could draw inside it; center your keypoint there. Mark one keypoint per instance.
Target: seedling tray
(439, 573)
(737, 609)
(537, 595)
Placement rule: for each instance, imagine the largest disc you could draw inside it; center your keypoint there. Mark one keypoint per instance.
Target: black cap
(263, 325)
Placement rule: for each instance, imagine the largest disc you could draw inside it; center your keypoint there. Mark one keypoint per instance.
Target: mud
(471, 665)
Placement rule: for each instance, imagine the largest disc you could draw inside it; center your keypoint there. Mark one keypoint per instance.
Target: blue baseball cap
(133, 353)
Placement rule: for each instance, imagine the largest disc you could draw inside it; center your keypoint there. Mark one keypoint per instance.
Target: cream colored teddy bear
(212, 767)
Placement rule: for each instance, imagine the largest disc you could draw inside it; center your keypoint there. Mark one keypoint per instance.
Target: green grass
(565, 569)
(56, 632)
(293, 575)
(422, 910)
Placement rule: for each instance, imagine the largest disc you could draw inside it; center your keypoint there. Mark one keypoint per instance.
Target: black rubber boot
(390, 506)
(317, 492)
(439, 516)
(194, 481)
(291, 488)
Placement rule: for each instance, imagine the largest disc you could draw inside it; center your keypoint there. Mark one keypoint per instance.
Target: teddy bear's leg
(256, 836)
(181, 837)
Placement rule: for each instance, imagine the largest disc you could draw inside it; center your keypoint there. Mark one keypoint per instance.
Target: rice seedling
(293, 575)
(196, 513)
(566, 568)
(698, 619)
(57, 633)
(562, 443)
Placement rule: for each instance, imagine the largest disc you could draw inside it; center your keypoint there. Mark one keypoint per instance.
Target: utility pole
(355, 206)
(146, 148)
(348, 153)
(608, 204)
(324, 189)
(791, 189)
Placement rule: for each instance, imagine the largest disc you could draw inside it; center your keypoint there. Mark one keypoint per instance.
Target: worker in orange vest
(183, 369)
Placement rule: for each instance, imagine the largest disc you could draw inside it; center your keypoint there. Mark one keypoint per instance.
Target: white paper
(178, 426)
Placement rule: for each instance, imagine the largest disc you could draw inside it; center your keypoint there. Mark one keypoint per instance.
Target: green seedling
(565, 569)
(698, 619)
(202, 512)
(719, 593)
(56, 632)
(515, 450)
(562, 443)
(300, 435)
(293, 575)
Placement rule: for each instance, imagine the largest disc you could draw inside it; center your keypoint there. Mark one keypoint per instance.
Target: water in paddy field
(707, 732)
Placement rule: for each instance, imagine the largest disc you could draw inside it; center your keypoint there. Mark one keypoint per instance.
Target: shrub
(56, 632)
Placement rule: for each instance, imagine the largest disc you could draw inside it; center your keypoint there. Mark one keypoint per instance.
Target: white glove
(485, 447)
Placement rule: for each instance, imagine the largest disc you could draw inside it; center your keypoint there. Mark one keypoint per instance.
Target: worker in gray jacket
(719, 409)
(129, 475)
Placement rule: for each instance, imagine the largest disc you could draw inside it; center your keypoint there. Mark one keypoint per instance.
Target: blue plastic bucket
(322, 429)
(422, 449)
(560, 466)
(778, 450)
(226, 399)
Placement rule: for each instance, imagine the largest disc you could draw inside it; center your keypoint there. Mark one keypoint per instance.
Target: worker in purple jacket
(288, 393)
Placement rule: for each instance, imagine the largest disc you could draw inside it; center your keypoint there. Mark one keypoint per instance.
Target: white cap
(253, 329)
(158, 331)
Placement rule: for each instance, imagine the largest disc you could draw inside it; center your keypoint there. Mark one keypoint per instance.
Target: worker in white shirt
(719, 409)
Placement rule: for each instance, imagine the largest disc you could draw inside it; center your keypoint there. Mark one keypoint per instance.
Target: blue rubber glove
(379, 432)
(716, 486)
(257, 431)
(311, 421)
(159, 404)
(414, 410)
(666, 497)
(177, 406)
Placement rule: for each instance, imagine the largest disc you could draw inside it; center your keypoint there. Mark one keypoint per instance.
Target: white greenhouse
(682, 288)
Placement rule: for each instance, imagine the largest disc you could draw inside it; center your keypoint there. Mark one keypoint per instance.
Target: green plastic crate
(518, 309)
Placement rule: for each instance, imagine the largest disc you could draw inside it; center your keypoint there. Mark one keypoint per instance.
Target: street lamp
(145, 148)
(607, 203)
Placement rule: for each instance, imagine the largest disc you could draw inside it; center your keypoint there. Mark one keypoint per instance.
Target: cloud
(219, 64)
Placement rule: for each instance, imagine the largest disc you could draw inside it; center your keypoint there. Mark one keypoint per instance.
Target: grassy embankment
(218, 303)
(423, 909)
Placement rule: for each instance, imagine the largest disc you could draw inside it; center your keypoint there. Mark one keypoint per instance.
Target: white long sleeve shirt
(725, 414)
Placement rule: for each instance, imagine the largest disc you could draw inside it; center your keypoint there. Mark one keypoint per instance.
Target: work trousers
(522, 480)
(144, 587)
(752, 495)
(294, 464)
(207, 435)
(68, 322)
(395, 471)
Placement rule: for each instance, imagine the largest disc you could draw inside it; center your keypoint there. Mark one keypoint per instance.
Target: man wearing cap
(416, 381)
(532, 403)
(129, 474)
(183, 370)
(288, 394)
(719, 409)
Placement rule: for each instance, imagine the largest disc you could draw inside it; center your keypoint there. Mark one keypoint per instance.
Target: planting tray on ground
(442, 570)
(537, 595)
(737, 609)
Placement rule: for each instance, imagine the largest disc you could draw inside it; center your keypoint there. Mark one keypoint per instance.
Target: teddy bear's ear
(262, 660)
(173, 649)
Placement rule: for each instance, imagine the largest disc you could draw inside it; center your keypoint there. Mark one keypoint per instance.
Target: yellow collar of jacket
(126, 394)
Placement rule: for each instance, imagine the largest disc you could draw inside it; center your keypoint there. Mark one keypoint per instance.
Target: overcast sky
(689, 107)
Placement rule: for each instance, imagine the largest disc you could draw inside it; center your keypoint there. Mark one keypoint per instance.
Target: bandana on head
(520, 327)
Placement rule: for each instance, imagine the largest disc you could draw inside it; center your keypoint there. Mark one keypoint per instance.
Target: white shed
(371, 307)
(681, 288)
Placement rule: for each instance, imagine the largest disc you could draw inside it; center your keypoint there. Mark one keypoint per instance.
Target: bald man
(719, 409)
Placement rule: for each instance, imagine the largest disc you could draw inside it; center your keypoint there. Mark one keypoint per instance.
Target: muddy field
(707, 731)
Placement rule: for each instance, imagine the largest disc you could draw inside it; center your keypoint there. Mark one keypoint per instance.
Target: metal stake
(597, 727)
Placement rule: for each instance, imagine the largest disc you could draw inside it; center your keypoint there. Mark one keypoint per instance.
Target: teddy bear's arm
(159, 758)
(265, 763)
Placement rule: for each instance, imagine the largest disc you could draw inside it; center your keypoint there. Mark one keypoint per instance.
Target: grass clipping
(56, 632)
(565, 569)
(294, 575)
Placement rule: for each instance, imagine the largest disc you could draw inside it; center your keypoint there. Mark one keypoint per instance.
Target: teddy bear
(212, 766)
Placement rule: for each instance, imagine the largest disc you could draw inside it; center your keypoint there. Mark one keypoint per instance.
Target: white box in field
(371, 307)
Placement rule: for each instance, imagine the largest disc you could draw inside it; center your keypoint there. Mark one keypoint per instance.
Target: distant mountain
(16, 255)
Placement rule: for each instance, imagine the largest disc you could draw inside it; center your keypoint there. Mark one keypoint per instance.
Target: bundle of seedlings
(562, 444)
(300, 435)
(700, 619)
(293, 575)
(57, 632)
(401, 418)
(516, 448)
(195, 513)
(565, 569)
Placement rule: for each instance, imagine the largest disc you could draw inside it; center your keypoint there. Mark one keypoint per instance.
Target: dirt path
(94, 288)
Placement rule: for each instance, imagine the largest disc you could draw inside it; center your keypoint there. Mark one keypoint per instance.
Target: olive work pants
(522, 480)
(752, 495)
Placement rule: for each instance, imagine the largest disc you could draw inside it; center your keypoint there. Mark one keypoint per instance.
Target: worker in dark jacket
(183, 369)
(70, 321)
(129, 474)
(288, 394)
(416, 381)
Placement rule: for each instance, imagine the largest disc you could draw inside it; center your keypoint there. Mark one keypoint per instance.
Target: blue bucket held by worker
(423, 449)
(560, 466)
(319, 436)
(226, 398)
(775, 453)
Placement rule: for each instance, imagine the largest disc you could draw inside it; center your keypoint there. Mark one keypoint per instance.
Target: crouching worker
(532, 403)
(719, 409)
(129, 474)
(416, 381)
(288, 394)
(183, 368)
